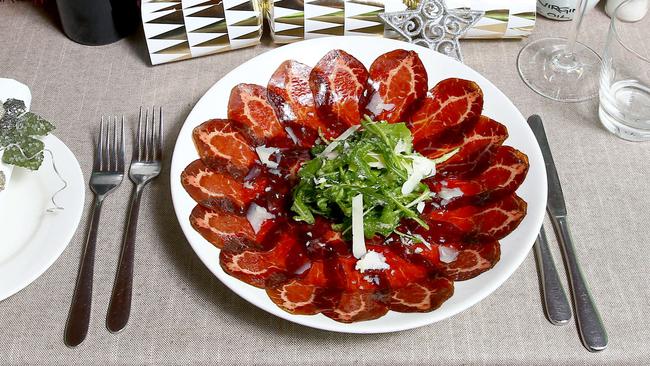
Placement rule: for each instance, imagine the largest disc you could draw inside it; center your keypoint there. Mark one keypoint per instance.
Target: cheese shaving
(371, 261)
(358, 239)
(334, 144)
(257, 215)
(265, 153)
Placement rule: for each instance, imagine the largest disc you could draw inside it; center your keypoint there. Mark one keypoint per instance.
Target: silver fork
(145, 165)
(108, 172)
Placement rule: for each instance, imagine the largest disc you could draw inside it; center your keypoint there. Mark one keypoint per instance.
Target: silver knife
(590, 325)
(556, 304)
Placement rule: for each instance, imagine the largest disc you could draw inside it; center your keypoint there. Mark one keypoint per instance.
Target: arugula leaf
(375, 161)
(18, 130)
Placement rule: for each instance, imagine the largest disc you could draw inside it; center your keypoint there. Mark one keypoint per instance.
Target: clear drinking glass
(625, 77)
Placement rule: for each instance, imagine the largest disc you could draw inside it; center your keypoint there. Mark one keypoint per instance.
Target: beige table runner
(183, 314)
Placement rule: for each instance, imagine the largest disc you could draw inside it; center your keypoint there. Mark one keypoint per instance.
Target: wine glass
(561, 69)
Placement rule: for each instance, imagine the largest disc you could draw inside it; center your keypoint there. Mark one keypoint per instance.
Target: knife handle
(556, 304)
(590, 326)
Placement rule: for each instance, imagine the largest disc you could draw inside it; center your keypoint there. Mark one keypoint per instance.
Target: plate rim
(176, 190)
(54, 144)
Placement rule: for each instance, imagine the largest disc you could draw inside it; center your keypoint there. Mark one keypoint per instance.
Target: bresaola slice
(498, 219)
(339, 83)
(401, 272)
(249, 107)
(421, 296)
(290, 95)
(398, 80)
(303, 294)
(503, 176)
(451, 105)
(354, 306)
(291, 162)
(357, 299)
(221, 190)
(257, 267)
(492, 221)
(322, 242)
(223, 148)
(473, 260)
(222, 228)
(477, 148)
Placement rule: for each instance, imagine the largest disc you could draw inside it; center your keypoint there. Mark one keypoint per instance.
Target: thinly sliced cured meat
(219, 190)
(291, 162)
(492, 221)
(424, 253)
(302, 295)
(290, 95)
(223, 148)
(473, 260)
(222, 228)
(354, 306)
(484, 127)
(339, 83)
(398, 80)
(451, 105)
(251, 109)
(322, 242)
(421, 296)
(497, 220)
(477, 148)
(401, 272)
(257, 267)
(358, 296)
(505, 174)
(350, 279)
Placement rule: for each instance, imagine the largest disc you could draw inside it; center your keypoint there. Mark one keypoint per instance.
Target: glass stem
(581, 9)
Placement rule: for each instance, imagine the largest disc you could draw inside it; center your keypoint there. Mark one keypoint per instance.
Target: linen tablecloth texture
(183, 314)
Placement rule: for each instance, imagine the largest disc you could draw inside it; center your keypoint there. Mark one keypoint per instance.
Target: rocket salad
(375, 160)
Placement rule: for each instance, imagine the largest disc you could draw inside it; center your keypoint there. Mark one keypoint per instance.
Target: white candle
(633, 11)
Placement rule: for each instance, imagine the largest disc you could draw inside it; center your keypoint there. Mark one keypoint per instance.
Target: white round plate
(514, 248)
(31, 238)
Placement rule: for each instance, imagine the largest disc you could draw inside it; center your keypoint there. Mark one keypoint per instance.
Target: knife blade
(590, 325)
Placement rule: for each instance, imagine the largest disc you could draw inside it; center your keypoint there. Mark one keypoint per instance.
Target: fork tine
(97, 163)
(150, 137)
(145, 140)
(138, 146)
(160, 134)
(106, 154)
(120, 147)
(113, 147)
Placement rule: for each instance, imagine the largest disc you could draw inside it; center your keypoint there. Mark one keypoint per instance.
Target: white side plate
(31, 238)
